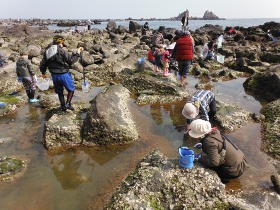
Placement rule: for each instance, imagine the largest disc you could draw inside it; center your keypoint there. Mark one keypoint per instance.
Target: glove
(44, 76)
(198, 146)
(80, 49)
(19, 79)
(197, 156)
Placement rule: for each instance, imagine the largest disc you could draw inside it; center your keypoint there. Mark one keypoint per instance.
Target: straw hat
(190, 111)
(199, 128)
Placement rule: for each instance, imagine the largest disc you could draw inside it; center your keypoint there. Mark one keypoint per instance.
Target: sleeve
(70, 59)
(210, 157)
(30, 68)
(43, 64)
(203, 113)
(17, 70)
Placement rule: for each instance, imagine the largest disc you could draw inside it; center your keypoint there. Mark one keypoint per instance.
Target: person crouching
(218, 152)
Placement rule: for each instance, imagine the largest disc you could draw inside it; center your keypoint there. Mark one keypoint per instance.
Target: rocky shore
(110, 59)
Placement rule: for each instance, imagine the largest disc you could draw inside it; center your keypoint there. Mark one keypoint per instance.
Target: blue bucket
(186, 157)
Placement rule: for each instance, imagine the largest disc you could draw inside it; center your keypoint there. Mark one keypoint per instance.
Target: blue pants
(63, 80)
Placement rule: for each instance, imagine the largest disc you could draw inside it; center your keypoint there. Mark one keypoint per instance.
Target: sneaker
(63, 108)
(33, 100)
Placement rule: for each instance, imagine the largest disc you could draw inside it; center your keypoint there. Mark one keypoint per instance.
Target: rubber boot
(69, 99)
(62, 102)
(32, 94)
(28, 94)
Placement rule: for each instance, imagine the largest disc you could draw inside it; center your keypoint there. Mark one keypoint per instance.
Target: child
(158, 55)
(26, 75)
(165, 62)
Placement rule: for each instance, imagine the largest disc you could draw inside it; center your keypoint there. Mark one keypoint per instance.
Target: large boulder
(63, 130)
(109, 120)
(265, 85)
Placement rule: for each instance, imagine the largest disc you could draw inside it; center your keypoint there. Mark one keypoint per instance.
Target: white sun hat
(199, 128)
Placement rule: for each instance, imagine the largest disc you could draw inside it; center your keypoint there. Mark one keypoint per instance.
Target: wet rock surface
(11, 168)
(271, 126)
(160, 183)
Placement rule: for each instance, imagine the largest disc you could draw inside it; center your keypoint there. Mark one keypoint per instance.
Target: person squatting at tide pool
(198, 104)
(58, 61)
(26, 75)
(218, 152)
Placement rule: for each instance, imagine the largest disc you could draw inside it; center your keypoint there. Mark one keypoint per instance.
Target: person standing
(26, 75)
(88, 24)
(218, 152)
(184, 52)
(58, 61)
(198, 104)
(185, 21)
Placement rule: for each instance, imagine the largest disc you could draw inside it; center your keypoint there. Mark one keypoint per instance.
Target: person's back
(184, 48)
(229, 158)
(23, 67)
(157, 39)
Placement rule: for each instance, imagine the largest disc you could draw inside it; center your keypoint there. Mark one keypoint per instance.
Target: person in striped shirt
(197, 107)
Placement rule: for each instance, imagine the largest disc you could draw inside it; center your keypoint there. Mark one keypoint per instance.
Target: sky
(123, 9)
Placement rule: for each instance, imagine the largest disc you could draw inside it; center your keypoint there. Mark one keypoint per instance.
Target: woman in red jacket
(184, 55)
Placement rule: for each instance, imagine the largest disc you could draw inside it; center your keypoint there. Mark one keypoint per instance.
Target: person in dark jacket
(218, 152)
(58, 61)
(184, 49)
(26, 75)
(185, 21)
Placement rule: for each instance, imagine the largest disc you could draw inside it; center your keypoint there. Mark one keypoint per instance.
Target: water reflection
(67, 169)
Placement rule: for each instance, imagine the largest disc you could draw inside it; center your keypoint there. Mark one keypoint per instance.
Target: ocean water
(193, 24)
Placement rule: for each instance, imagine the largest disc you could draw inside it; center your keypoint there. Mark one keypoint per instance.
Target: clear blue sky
(120, 9)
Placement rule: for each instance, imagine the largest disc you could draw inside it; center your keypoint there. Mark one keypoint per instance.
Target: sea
(193, 24)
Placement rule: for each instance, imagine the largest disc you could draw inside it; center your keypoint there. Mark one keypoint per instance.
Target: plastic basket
(220, 58)
(85, 87)
(43, 84)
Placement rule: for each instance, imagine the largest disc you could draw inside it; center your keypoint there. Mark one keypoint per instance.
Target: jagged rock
(210, 16)
(265, 85)
(11, 168)
(271, 128)
(134, 26)
(111, 25)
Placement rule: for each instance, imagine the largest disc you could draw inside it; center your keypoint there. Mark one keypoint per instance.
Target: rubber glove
(198, 146)
(197, 156)
(19, 79)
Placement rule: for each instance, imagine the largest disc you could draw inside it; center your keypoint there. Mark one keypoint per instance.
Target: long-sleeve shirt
(204, 98)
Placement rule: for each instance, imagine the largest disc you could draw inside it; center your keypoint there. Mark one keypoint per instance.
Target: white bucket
(85, 87)
(43, 84)
(220, 58)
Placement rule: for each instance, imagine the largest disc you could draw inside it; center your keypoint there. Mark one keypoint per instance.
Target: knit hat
(58, 39)
(199, 128)
(190, 111)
